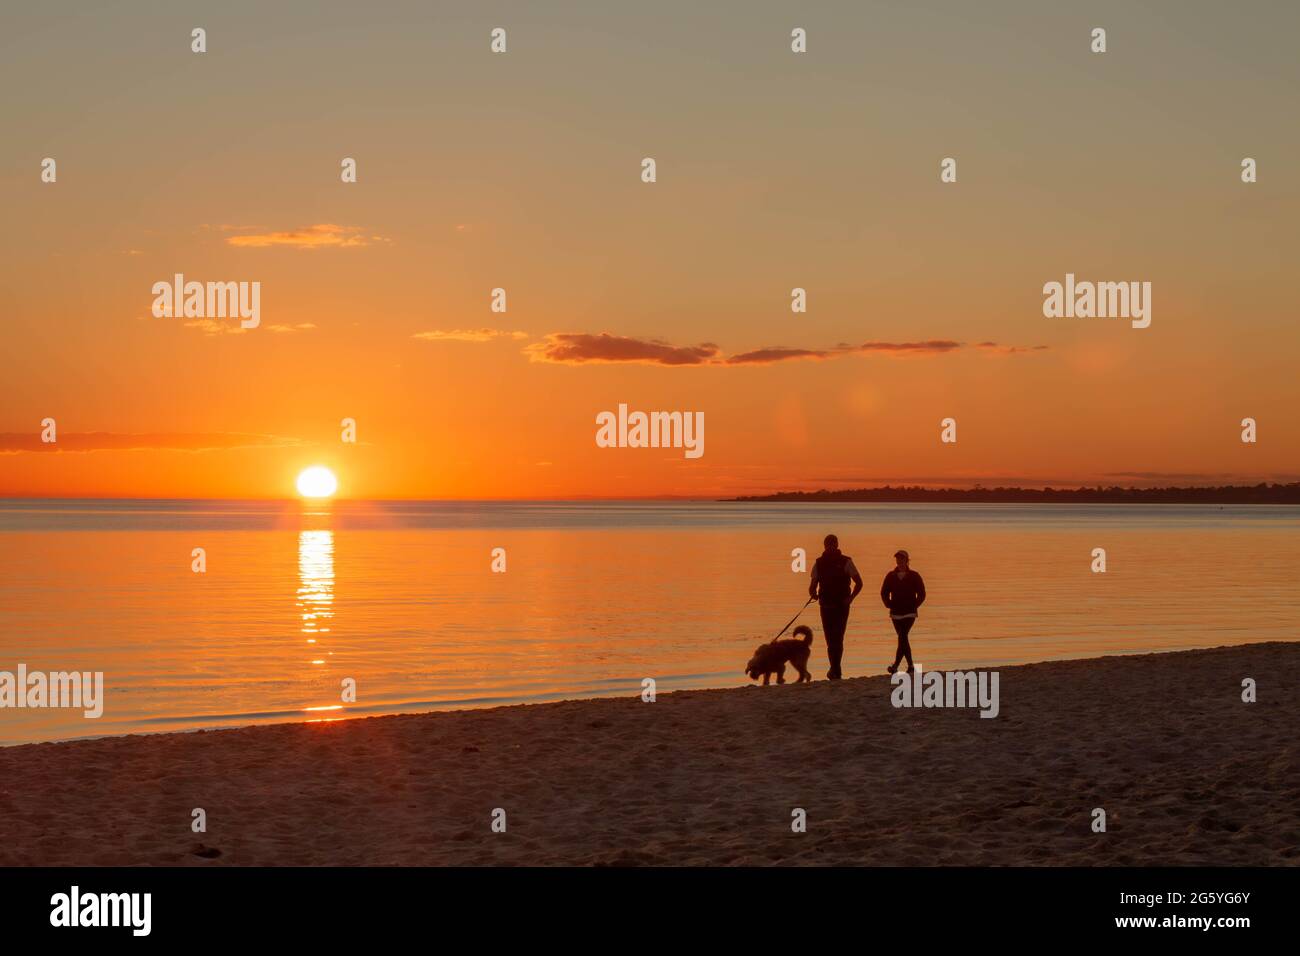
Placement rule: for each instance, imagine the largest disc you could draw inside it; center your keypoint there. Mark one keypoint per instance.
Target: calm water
(401, 597)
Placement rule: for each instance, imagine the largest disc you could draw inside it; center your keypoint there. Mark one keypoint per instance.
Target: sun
(317, 482)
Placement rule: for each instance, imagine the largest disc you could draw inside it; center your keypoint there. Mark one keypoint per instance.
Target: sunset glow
(923, 301)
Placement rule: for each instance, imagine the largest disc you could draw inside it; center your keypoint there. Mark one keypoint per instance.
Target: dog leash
(793, 619)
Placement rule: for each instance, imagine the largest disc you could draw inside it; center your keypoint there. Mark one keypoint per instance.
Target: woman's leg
(904, 645)
(902, 626)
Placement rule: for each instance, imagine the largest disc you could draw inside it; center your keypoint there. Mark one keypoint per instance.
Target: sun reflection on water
(316, 580)
(316, 593)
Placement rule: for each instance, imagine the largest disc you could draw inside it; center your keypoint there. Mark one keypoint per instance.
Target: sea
(214, 614)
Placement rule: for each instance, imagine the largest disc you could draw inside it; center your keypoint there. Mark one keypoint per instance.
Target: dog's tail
(806, 631)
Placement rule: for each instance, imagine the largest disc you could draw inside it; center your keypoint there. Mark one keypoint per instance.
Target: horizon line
(977, 486)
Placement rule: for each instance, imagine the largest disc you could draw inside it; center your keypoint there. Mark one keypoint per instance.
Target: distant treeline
(1260, 494)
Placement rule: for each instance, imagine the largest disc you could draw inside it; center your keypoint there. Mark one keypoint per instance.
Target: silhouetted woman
(903, 592)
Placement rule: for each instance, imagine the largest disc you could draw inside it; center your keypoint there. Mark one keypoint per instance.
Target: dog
(771, 658)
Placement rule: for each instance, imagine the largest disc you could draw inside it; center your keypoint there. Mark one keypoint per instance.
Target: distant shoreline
(1222, 495)
(1261, 494)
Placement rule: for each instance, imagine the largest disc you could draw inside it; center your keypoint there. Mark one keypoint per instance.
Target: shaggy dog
(772, 657)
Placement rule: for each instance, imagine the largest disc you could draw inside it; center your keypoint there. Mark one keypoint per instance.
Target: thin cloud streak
(769, 355)
(577, 348)
(13, 443)
(467, 335)
(320, 236)
(580, 348)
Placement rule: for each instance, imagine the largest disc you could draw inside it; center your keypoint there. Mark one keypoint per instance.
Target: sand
(1187, 774)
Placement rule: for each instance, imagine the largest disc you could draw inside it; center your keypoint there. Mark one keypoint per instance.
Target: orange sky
(521, 171)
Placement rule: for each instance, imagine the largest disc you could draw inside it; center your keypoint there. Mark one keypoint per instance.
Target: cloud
(16, 442)
(213, 327)
(467, 335)
(777, 354)
(320, 236)
(577, 348)
(227, 327)
(933, 345)
(1009, 349)
(234, 327)
(781, 354)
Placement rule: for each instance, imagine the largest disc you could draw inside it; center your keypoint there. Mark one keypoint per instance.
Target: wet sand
(1187, 773)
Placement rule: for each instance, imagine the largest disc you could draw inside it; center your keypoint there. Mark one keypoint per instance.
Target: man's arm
(812, 585)
(884, 591)
(920, 591)
(857, 581)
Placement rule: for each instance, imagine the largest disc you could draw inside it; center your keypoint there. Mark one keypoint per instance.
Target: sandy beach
(1188, 774)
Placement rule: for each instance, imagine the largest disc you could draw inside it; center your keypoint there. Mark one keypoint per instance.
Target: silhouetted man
(831, 575)
(903, 592)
